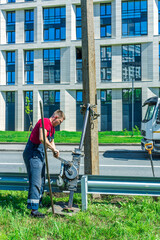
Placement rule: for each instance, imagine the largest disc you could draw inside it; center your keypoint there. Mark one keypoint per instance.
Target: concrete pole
(91, 160)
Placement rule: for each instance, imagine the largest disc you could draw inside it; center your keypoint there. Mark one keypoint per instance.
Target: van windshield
(149, 113)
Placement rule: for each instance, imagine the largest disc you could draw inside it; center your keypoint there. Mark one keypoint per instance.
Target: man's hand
(56, 153)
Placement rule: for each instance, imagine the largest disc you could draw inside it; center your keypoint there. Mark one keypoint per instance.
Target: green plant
(126, 132)
(136, 131)
(28, 111)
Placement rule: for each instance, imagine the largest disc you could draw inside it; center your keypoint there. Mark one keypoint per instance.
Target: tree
(28, 111)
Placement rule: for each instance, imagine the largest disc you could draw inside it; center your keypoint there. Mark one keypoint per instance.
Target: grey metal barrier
(19, 182)
(93, 184)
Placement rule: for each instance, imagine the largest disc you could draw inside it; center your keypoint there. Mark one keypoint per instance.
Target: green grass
(74, 137)
(112, 217)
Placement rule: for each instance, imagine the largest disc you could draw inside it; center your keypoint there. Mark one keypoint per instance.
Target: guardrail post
(84, 190)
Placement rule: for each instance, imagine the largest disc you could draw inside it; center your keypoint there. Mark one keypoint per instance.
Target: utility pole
(91, 160)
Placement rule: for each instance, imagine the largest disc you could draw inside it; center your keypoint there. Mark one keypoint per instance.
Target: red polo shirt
(34, 137)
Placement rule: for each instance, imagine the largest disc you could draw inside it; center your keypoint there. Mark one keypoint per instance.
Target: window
(79, 65)
(28, 118)
(10, 68)
(54, 23)
(106, 110)
(11, 1)
(131, 62)
(127, 108)
(10, 111)
(51, 103)
(29, 67)
(106, 64)
(29, 26)
(51, 66)
(134, 18)
(105, 12)
(159, 17)
(159, 61)
(78, 23)
(10, 27)
(79, 116)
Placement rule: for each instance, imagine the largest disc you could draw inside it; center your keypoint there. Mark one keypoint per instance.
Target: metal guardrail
(19, 182)
(93, 184)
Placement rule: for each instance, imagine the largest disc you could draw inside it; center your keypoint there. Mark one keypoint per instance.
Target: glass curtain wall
(54, 20)
(51, 103)
(105, 18)
(10, 68)
(10, 111)
(134, 18)
(106, 64)
(28, 118)
(79, 65)
(159, 17)
(159, 61)
(106, 110)
(127, 108)
(78, 23)
(10, 27)
(51, 65)
(79, 116)
(29, 26)
(29, 67)
(131, 63)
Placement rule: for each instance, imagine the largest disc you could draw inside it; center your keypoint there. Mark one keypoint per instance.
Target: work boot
(37, 214)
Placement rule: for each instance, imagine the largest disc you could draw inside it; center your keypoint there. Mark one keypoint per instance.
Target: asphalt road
(113, 162)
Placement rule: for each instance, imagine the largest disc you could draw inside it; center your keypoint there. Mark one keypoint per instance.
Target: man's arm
(51, 145)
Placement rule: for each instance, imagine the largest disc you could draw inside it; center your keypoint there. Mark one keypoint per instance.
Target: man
(33, 156)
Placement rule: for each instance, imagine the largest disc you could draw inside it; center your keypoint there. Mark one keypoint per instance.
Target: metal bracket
(93, 115)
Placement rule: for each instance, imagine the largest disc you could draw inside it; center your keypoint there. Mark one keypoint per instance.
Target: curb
(73, 144)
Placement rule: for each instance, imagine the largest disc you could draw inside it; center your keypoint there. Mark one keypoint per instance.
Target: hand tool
(149, 148)
(45, 150)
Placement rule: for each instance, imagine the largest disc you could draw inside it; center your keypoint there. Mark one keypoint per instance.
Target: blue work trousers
(33, 156)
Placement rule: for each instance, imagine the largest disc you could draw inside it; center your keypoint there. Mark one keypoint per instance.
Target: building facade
(41, 59)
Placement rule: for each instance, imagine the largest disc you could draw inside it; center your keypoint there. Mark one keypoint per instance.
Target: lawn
(74, 137)
(112, 217)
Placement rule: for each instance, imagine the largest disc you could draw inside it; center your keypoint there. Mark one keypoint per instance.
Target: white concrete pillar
(72, 66)
(19, 110)
(39, 24)
(156, 60)
(65, 65)
(68, 105)
(116, 19)
(68, 21)
(73, 22)
(147, 61)
(117, 63)
(2, 111)
(150, 14)
(2, 27)
(117, 110)
(38, 66)
(96, 13)
(19, 31)
(37, 96)
(2, 68)
(19, 67)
